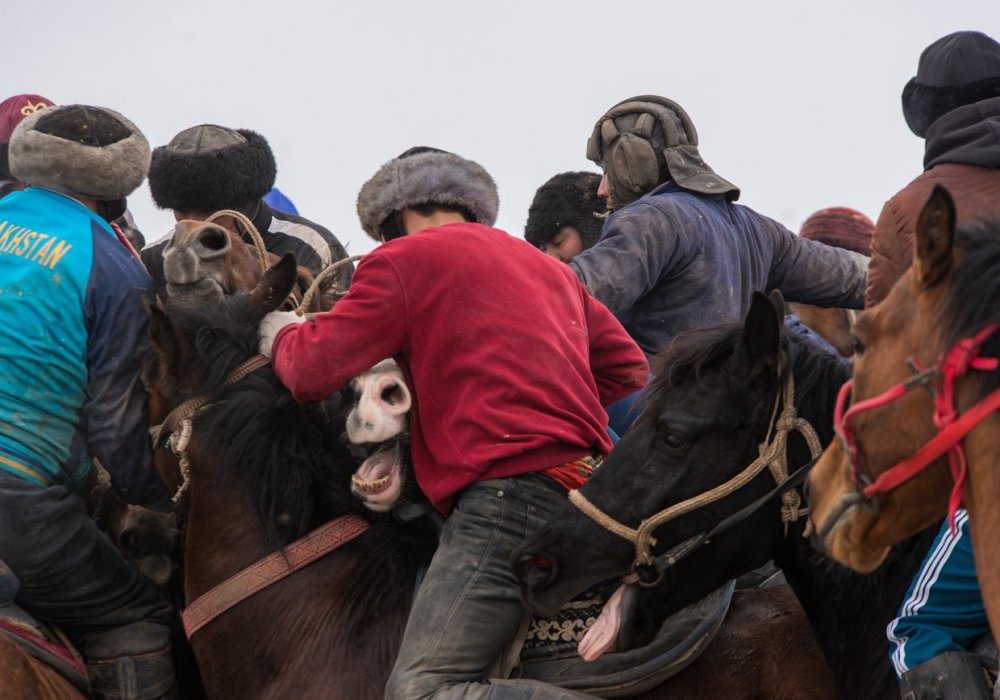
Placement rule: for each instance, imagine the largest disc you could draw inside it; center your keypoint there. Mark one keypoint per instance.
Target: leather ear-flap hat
(209, 167)
(80, 150)
(646, 140)
(427, 176)
(956, 70)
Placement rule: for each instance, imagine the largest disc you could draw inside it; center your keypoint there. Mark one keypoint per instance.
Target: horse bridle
(772, 455)
(961, 358)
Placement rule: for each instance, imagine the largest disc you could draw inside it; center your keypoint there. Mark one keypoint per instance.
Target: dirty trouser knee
(72, 576)
(468, 610)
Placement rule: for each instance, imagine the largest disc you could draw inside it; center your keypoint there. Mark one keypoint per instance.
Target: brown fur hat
(80, 150)
(427, 177)
(566, 199)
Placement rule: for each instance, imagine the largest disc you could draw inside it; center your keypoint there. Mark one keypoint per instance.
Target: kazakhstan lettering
(40, 248)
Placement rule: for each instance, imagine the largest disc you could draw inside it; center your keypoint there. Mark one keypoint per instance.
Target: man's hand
(271, 324)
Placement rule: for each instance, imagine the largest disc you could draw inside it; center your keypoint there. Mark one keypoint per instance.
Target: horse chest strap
(271, 569)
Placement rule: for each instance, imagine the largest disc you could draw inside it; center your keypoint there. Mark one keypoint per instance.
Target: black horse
(707, 411)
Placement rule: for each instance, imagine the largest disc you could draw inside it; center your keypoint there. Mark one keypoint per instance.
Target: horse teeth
(370, 486)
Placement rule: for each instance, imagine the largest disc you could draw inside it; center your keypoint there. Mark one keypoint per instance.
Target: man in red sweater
(510, 362)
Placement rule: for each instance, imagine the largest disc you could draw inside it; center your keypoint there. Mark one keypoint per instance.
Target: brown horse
(23, 677)
(902, 447)
(833, 324)
(263, 470)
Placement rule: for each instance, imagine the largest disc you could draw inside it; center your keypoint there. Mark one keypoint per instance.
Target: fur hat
(646, 140)
(79, 150)
(208, 167)
(13, 110)
(427, 176)
(567, 199)
(841, 227)
(956, 70)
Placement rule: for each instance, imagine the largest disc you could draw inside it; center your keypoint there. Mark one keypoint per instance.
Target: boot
(141, 677)
(953, 675)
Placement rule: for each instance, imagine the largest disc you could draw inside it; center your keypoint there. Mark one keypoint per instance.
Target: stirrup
(140, 677)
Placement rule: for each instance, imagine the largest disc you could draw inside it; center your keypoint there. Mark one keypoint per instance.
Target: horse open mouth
(205, 289)
(378, 481)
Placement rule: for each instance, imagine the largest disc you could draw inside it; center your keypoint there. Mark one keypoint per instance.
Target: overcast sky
(797, 102)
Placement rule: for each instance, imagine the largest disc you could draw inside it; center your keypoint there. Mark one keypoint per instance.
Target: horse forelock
(972, 300)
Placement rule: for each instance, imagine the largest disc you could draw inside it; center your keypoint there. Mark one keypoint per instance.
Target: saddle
(42, 641)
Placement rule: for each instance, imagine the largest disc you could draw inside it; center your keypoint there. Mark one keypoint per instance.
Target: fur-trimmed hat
(208, 167)
(956, 70)
(80, 150)
(566, 199)
(841, 227)
(427, 176)
(646, 140)
(13, 110)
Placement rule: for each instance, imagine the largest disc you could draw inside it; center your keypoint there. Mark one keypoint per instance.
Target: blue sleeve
(115, 416)
(637, 245)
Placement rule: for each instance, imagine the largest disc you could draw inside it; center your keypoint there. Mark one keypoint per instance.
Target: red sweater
(508, 357)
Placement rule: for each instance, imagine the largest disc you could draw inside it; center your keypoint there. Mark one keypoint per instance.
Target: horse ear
(778, 301)
(275, 286)
(934, 238)
(168, 342)
(762, 330)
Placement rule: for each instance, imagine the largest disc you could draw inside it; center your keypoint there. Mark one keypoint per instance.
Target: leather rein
(176, 431)
(961, 358)
(647, 570)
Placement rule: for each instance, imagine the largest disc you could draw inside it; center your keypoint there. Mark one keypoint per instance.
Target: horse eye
(673, 440)
(859, 347)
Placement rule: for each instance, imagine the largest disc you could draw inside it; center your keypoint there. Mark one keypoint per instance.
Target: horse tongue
(603, 634)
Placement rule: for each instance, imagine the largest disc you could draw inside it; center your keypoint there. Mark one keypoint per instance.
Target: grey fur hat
(80, 150)
(208, 167)
(427, 177)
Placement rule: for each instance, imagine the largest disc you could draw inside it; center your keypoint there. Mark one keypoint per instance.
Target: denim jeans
(72, 576)
(468, 610)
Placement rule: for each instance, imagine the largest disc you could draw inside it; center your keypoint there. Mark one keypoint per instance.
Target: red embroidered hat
(12, 111)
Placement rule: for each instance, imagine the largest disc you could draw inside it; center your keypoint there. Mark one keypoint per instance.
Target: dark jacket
(962, 153)
(314, 246)
(675, 261)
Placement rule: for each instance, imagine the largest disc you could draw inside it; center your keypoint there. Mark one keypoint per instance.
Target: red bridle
(962, 357)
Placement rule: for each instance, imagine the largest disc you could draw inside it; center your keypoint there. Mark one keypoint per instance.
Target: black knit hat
(80, 150)
(956, 70)
(208, 167)
(567, 199)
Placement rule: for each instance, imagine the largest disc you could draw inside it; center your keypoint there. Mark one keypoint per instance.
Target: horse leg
(765, 650)
(23, 677)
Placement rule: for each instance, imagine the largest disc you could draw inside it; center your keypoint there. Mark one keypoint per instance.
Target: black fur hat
(208, 167)
(567, 199)
(956, 70)
(80, 150)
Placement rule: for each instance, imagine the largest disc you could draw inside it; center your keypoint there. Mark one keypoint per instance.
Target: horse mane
(691, 354)
(284, 454)
(973, 298)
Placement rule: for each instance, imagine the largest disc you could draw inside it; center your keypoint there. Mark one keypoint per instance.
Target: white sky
(796, 101)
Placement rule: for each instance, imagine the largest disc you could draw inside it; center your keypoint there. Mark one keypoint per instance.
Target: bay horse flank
(708, 410)
(922, 410)
(264, 470)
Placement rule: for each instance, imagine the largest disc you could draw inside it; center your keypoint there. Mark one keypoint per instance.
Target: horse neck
(982, 450)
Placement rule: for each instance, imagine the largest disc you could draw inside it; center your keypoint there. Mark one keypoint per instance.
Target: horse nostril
(536, 570)
(213, 242)
(128, 542)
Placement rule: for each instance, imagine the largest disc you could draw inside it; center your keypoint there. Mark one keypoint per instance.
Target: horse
(831, 323)
(925, 387)
(721, 397)
(263, 469)
(24, 677)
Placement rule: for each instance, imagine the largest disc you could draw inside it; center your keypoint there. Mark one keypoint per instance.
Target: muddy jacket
(314, 246)
(73, 319)
(675, 261)
(962, 153)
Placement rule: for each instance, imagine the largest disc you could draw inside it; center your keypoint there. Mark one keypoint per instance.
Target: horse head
(900, 395)
(712, 403)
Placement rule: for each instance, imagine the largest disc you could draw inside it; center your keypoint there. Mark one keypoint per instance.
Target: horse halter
(772, 455)
(956, 362)
(176, 427)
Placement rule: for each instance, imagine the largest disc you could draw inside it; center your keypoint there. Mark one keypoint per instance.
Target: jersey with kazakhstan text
(73, 324)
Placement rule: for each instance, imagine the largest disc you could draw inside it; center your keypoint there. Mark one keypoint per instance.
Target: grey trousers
(73, 576)
(468, 610)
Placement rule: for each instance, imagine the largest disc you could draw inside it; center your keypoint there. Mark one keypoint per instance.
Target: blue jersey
(73, 324)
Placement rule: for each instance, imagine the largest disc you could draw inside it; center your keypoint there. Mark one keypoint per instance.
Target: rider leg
(941, 616)
(468, 610)
(73, 577)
